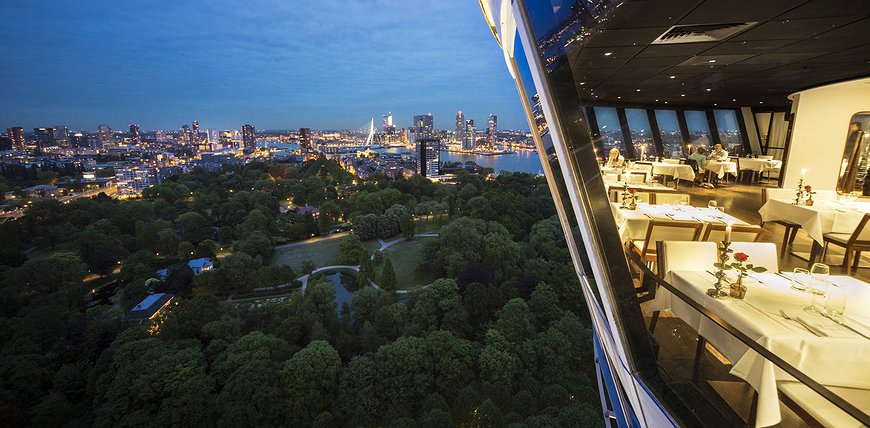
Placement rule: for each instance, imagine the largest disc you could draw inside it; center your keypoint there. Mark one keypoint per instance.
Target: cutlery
(802, 323)
(847, 327)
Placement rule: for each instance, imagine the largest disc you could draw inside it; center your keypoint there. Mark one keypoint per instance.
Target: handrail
(764, 352)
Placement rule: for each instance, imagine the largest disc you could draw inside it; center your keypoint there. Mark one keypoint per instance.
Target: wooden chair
(791, 228)
(664, 230)
(760, 253)
(853, 243)
(681, 255)
(739, 233)
(670, 198)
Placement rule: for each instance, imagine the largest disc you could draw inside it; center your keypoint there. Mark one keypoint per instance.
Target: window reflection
(641, 134)
(699, 130)
(856, 157)
(669, 128)
(729, 131)
(611, 133)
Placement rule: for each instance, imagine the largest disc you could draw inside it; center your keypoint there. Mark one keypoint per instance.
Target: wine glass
(819, 273)
(712, 204)
(800, 277)
(684, 200)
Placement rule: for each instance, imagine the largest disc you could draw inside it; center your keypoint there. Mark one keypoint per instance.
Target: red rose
(741, 257)
(808, 187)
(632, 191)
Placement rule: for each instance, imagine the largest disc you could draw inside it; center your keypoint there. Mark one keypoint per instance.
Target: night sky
(324, 64)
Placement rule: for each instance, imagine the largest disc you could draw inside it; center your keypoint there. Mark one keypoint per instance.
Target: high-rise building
(226, 139)
(44, 137)
(79, 140)
(16, 134)
(105, 136)
(428, 157)
(194, 132)
(388, 122)
(135, 138)
(5, 143)
(491, 128)
(61, 135)
(460, 126)
(132, 181)
(249, 138)
(184, 135)
(424, 126)
(305, 140)
(469, 136)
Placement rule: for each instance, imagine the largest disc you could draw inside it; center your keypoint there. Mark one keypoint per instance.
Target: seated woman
(699, 157)
(614, 159)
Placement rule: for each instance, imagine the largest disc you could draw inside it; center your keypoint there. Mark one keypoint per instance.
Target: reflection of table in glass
(838, 360)
(633, 224)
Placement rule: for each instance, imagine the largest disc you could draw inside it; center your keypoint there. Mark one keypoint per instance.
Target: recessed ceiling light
(582, 83)
(637, 90)
(673, 77)
(761, 102)
(608, 53)
(734, 99)
(666, 102)
(657, 100)
(715, 104)
(683, 95)
(708, 89)
(619, 98)
(711, 61)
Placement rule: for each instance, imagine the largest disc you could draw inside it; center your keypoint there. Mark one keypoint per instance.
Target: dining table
(720, 168)
(825, 216)
(759, 165)
(674, 170)
(830, 353)
(633, 224)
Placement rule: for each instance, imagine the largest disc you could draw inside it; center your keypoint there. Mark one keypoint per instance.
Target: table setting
(633, 224)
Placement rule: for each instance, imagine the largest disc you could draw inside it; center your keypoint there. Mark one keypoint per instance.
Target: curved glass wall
(669, 129)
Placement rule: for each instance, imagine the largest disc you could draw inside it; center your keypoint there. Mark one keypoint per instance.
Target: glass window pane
(729, 131)
(699, 130)
(641, 135)
(669, 127)
(611, 133)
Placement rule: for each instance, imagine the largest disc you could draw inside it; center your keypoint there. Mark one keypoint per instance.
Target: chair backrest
(776, 193)
(694, 164)
(766, 157)
(685, 255)
(739, 233)
(760, 254)
(634, 176)
(671, 198)
(862, 232)
(616, 196)
(666, 230)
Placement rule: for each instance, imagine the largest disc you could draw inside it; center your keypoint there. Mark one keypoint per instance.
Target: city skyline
(158, 68)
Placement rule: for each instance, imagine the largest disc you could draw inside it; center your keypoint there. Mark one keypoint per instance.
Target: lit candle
(803, 173)
(728, 233)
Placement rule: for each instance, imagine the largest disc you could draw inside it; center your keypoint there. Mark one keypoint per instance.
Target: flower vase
(738, 290)
(809, 202)
(632, 205)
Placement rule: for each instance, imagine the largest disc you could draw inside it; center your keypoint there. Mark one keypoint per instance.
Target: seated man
(699, 157)
(614, 159)
(718, 153)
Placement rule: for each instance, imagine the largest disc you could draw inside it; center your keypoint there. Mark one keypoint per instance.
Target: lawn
(321, 253)
(404, 256)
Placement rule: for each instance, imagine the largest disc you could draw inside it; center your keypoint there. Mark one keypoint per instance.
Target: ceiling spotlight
(673, 77)
(582, 83)
(657, 100)
(761, 102)
(608, 53)
(734, 99)
(637, 90)
(619, 98)
(708, 89)
(711, 61)
(682, 95)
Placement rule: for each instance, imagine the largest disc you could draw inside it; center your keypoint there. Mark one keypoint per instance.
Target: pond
(345, 285)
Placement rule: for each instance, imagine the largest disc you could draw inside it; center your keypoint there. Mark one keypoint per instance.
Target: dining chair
(760, 254)
(739, 233)
(791, 228)
(616, 196)
(645, 166)
(853, 243)
(670, 198)
(664, 230)
(680, 255)
(635, 177)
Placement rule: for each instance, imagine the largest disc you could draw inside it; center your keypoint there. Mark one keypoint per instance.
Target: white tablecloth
(677, 171)
(823, 217)
(759, 165)
(837, 360)
(633, 224)
(720, 168)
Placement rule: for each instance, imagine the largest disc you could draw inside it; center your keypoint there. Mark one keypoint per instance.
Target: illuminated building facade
(44, 137)
(460, 126)
(491, 128)
(16, 134)
(135, 138)
(424, 126)
(249, 137)
(133, 180)
(469, 140)
(428, 157)
(305, 139)
(105, 136)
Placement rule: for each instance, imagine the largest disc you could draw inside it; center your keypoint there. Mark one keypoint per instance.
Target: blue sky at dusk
(324, 64)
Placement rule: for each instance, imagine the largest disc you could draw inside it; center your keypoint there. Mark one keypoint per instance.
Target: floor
(676, 342)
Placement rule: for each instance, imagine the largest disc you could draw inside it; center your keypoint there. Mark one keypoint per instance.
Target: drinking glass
(722, 209)
(712, 204)
(819, 273)
(835, 304)
(800, 277)
(684, 200)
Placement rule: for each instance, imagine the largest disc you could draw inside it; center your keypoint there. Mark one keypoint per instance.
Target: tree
(307, 267)
(544, 306)
(388, 277)
(58, 271)
(185, 250)
(351, 250)
(257, 244)
(366, 226)
(311, 378)
(207, 248)
(252, 396)
(194, 226)
(465, 240)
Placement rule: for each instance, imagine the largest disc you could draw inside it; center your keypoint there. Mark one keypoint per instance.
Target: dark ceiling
(794, 45)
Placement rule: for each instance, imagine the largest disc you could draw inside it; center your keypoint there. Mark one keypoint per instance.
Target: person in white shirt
(614, 159)
(718, 153)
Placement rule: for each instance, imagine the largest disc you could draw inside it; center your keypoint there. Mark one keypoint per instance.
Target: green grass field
(404, 256)
(321, 253)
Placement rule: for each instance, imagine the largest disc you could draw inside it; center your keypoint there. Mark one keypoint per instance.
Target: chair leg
(857, 260)
(653, 321)
(785, 241)
(699, 351)
(814, 252)
(847, 261)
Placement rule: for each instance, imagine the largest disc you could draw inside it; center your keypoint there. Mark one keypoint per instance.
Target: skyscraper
(305, 139)
(428, 157)
(134, 134)
(460, 126)
(194, 132)
(79, 140)
(44, 137)
(16, 134)
(105, 137)
(491, 127)
(388, 122)
(61, 135)
(424, 126)
(249, 139)
(469, 140)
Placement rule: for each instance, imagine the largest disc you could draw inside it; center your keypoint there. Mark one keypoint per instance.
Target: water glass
(819, 273)
(712, 204)
(722, 209)
(684, 200)
(835, 304)
(800, 277)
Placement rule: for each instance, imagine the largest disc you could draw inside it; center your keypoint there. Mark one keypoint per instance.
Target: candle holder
(721, 277)
(800, 192)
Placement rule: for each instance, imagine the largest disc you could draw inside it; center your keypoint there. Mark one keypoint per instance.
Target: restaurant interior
(727, 146)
